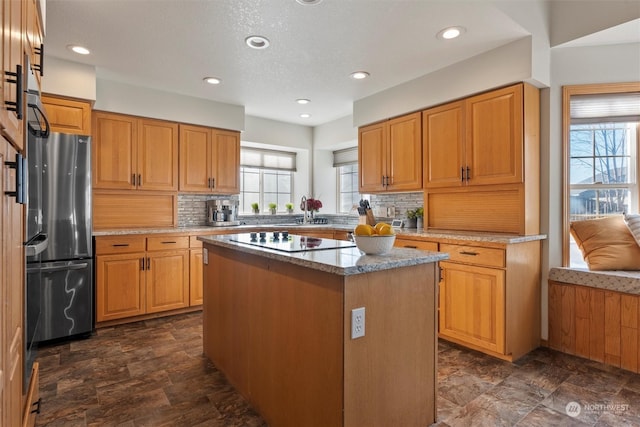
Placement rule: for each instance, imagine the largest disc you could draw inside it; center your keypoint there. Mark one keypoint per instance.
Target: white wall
(69, 79)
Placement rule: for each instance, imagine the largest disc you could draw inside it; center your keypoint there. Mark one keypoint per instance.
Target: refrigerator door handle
(65, 267)
(37, 245)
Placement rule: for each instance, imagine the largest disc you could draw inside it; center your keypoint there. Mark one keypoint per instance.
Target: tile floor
(153, 373)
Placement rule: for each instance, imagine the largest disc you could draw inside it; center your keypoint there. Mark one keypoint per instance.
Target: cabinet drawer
(167, 242)
(416, 244)
(491, 257)
(119, 244)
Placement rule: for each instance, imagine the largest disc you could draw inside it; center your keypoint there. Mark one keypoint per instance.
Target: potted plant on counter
(255, 208)
(420, 218)
(272, 208)
(289, 207)
(411, 219)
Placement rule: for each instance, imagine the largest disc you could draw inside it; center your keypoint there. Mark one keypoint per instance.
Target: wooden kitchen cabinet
(133, 153)
(209, 160)
(34, 39)
(390, 155)
(424, 245)
(13, 48)
(67, 115)
(167, 273)
(482, 162)
(490, 297)
(477, 141)
(195, 277)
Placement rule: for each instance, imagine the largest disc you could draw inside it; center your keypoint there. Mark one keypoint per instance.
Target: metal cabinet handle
(468, 173)
(36, 404)
(139, 180)
(411, 246)
(468, 253)
(120, 245)
(169, 242)
(16, 105)
(148, 263)
(461, 174)
(133, 179)
(21, 177)
(40, 52)
(141, 264)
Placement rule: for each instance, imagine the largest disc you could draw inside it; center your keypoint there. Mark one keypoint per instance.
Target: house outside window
(266, 176)
(601, 152)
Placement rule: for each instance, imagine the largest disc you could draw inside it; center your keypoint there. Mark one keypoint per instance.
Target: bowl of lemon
(374, 240)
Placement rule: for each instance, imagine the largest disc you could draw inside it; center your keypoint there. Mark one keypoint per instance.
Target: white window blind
(348, 156)
(609, 107)
(267, 159)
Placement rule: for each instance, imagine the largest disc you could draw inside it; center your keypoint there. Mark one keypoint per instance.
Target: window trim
(567, 93)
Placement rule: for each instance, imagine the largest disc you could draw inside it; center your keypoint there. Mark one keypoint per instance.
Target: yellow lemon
(364, 230)
(385, 230)
(379, 225)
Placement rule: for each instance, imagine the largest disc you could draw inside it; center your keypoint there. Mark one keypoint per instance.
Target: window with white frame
(346, 164)
(602, 164)
(266, 176)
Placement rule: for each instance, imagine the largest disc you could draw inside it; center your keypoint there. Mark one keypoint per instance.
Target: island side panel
(282, 324)
(390, 373)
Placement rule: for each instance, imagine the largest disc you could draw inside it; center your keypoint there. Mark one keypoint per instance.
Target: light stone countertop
(342, 262)
(410, 233)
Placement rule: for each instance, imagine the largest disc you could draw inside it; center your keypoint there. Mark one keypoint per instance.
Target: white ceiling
(172, 44)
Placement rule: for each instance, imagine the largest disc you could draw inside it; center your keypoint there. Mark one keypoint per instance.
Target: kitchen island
(278, 324)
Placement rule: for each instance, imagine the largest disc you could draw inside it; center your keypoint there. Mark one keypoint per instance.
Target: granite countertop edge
(397, 258)
(401, 232)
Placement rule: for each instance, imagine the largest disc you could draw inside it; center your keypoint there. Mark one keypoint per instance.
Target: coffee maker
(222, 213)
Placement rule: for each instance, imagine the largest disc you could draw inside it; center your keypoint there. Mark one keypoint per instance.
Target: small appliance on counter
(222, 213)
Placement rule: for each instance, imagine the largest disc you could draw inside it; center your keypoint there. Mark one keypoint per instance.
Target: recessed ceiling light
(212, 80)
(305, 2)
(257, 42)
(359, 75)
(303, 101)
(450, 33)
(78, 49)
(305, 115)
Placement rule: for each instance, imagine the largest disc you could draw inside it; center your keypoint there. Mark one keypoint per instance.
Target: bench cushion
(620, 281)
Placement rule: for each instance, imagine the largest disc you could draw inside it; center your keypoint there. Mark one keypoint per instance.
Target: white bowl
(375, 245)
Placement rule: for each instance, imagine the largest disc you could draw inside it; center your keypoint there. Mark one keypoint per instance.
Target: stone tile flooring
(153, 373)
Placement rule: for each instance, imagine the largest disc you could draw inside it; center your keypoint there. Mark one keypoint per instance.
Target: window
(601, 156)
(346, 164)
(266, 176)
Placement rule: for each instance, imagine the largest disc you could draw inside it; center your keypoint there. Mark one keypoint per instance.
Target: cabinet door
(443, 145)
(68, 115)
(225, 162)
(494, 136)
(120, 286)
(195, 155)
(372, 143)
(167, 280)
(157, 164)
(13, 268)
(12, 58)
(114, 151)
(472, 306)
(195, 277)
(34, 38)
(404, 162)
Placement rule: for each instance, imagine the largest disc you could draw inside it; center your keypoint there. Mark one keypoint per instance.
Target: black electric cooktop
(285, 242)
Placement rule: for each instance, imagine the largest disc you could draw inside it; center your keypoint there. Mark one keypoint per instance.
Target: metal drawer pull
(169, 242)
(118, 245)
(410, 246)
(468, 253)
(36, 404)
(148, 263)
(141, 264)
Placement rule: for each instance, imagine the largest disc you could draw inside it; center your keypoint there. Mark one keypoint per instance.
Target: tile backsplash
(192, 210)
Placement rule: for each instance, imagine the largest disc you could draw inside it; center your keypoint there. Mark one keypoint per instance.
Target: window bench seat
(596, 315)
(627, 282)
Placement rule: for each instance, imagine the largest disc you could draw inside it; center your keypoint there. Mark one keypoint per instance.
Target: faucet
(304, 207)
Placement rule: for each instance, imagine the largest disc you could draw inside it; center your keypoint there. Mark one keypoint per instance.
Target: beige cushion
(633, 222)
(607, 243)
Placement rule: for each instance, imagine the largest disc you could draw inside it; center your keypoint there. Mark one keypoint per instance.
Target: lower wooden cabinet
(472, 305)
(120, 289)
(167, 280)
(32, 405)
(195, 277)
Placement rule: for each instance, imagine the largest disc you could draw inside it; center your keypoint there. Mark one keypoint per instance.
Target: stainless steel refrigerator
(66, 265)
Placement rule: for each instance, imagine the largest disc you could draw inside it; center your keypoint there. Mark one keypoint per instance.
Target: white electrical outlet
(357, 323)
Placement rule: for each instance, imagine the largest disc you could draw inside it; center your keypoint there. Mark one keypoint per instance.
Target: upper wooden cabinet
(390, 155)
(133, 153)
(477, 141)
(68, 115)
(209, 160)
(13, 48)
(35, 47)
